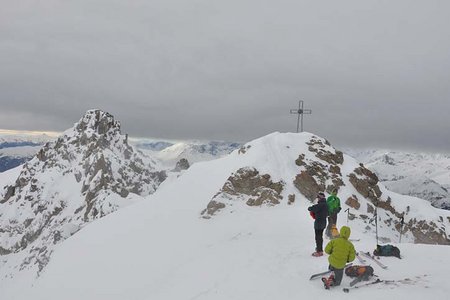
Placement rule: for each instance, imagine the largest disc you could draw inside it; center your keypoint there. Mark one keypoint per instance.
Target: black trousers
(338, 274)
(319, 239)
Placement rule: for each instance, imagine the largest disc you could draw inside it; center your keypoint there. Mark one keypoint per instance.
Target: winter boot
(328, 282)
(317, 254)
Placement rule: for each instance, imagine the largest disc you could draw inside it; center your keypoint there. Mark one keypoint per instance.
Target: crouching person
(341, 251)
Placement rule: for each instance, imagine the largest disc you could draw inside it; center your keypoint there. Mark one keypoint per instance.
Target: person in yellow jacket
(341, 251)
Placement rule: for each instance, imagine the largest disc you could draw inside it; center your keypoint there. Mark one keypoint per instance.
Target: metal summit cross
(300, 112)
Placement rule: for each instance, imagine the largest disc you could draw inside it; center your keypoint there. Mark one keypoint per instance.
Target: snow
(9, 176)
(161, 248)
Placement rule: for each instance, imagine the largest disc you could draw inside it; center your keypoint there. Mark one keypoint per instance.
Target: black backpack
(387, 250)
(359, 271)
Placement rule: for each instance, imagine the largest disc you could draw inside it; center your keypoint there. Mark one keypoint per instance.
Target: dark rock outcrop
(315, 175)
(366, 183)
(182, 164)
(247, 185)
(353, 202)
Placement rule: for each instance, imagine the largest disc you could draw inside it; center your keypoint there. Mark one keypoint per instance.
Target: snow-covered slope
(238, 228)
(422, 175)
(85, 174)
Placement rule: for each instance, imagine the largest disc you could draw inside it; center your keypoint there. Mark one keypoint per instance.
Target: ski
(346, 290)
(368, 255)
(317, 275)
(314, 276)
(384, 281)
(361, 260)
(355, 281)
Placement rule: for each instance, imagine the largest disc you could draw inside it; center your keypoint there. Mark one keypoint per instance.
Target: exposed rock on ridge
(320, 174)
(247, 185)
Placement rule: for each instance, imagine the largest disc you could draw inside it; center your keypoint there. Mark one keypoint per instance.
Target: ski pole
(376, 213)
(348, 213)
(402, 221)
(376, 223)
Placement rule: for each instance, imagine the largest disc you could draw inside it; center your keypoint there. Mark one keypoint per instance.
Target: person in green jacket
(341, 252)
(334, 207)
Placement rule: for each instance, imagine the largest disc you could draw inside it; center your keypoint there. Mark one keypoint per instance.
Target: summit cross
(300, 112)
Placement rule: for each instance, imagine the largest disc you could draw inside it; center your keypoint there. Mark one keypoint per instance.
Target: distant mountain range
(421, 175)
(15, 151)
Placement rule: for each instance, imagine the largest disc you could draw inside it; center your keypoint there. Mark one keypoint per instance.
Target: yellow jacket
(341, 250)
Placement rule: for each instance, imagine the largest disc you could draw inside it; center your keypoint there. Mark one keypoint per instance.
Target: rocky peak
(86, 173)
(98, 122)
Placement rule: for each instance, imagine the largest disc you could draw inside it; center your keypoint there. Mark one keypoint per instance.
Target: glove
(338, 209)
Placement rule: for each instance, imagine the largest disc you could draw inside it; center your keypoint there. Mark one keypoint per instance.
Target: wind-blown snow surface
(163, 249)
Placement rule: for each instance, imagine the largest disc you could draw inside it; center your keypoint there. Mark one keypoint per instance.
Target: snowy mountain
(421, 175)
(86, 173)
(238, 228)
(10, 140)
(195, 151)
(152, 145)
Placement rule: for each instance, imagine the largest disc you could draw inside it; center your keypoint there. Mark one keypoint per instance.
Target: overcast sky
(375, 73)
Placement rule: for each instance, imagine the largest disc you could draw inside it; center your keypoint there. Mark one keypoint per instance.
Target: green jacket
(341, 250)
(334, 204)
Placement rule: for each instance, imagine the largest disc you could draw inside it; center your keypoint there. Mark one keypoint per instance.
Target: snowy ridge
(243, 251)
(85, 174)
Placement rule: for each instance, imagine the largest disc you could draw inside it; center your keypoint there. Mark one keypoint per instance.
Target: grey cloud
(374, 72)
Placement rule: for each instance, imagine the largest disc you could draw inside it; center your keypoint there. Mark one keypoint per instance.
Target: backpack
(359, 271)
(333, 204)
(387, 250)
(334, 231)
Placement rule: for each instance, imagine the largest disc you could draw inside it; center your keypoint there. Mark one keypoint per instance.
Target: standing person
(334, 207)
(320, 211)
(341, 251)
